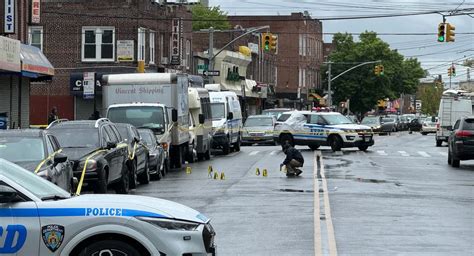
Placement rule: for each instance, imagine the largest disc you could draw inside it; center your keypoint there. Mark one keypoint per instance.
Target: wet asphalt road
(398, 198)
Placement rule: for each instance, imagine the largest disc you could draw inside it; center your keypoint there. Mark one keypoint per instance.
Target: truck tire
(226, 148)
(439, 143)
(176, 157)
(237, 145)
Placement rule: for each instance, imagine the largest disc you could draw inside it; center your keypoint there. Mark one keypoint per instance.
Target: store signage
(88, 84)
(35, 11)
(125, 50)
(9, 21)
(10, 54)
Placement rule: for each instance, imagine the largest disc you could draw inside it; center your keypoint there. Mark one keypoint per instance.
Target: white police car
(39, 218)
(316, 129)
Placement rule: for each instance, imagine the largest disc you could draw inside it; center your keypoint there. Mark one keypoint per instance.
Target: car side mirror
(111, 145)
(230, 116)
(174, 115)
(7, 194)
(59, 158)
(201, 119)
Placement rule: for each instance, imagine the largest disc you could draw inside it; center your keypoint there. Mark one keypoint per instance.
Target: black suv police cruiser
(97, 149)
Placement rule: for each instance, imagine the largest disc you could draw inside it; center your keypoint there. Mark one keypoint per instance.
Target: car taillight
(463, 133)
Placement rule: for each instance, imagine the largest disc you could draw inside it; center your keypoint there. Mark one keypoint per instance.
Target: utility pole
(211, 53)
(329, 85)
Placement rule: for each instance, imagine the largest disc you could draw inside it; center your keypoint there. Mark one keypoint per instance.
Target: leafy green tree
(204, 18)
(361, 85)
(430, 95)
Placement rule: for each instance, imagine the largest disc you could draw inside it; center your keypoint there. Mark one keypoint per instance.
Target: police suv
(316, 129)
(39, 218)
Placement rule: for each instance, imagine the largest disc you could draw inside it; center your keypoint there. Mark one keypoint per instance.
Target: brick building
(299, 54)
(20, 64)
(256, 71)
(105, 37)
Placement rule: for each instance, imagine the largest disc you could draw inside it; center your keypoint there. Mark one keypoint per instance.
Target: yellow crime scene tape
(83, 174)
(45, 160)
(132, 155)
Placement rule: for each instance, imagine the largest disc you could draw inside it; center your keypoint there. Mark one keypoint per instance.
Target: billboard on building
(125, 50)
(9, 54)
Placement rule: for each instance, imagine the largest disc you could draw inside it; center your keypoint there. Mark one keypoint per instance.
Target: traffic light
(273, 42)
(450, 32)
(377, 70)
(453, 71)
(266, 38)
(441, 32)
(381, 69)
(450, 71)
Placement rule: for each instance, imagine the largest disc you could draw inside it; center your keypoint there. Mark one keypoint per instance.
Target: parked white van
(200, 122)
(226, 121)
(453, 105)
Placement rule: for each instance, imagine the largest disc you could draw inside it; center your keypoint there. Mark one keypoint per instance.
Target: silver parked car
(258, 129)
(428, 125)
(157, 154)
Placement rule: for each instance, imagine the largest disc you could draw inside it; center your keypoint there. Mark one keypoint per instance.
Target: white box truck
(158, 101)
(452, 106)
(201, 122)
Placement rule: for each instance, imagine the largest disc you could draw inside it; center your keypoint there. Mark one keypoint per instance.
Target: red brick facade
(63, 22)
(300, 50)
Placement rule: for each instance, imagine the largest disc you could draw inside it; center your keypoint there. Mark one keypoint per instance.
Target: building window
(141, 44)
(152, 47)
(98, 44)
(35, 37)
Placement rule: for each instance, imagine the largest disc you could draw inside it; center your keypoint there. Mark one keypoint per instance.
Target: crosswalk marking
(254, 153)
(381, 152)
(424, 154)
(403, 153)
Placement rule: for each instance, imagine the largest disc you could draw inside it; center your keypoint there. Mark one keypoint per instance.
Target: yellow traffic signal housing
(441, 32)
(273, 42)
(449, 72)
(377, 70)
(266, 38)
(450, 32)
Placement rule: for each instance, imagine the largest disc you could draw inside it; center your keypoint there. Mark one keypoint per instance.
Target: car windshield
(29, 181)
(283, 117)
(370, 120)
(22, 149)
(275, 113)
(336, 119)
(218, 111)
(258, 121)
(151, 117)
(148, 138)
(77, 137)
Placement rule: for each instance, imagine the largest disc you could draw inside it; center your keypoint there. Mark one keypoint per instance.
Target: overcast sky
(434, 56)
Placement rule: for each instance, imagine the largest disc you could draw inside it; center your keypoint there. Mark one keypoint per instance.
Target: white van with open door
(226, 121)
(200, 122)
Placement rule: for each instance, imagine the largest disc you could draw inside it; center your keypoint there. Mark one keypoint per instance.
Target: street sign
(211, 73)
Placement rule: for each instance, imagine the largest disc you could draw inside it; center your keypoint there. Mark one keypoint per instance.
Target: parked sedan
(388, 124)
(156, 152)
(428, 126)
(39, 152)
(414, 125)
(137, 161)
(258, 129)
(461, 141)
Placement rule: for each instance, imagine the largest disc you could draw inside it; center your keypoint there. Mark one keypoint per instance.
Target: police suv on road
(316, 129)
(39, 218)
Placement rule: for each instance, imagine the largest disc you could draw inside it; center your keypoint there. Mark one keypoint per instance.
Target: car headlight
(171, 224)
(350, 131)
(91, 165)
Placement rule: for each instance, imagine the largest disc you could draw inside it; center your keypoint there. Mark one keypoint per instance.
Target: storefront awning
(33, 62)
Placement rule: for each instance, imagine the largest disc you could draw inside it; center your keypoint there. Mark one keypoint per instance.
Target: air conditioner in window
(164, 61)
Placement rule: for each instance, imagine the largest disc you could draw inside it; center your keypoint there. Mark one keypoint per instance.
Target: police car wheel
(335, 142)
(109, 248)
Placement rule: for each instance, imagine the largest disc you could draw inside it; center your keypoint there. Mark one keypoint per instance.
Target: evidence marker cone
(222, 176)
(257, 172)
(188, 170)
(209, 171)
(216, 175)
(264, 174)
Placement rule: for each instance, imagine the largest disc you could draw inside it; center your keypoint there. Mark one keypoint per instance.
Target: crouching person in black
(293, 160)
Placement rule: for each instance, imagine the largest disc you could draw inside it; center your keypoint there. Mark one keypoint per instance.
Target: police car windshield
(218, 111)
(259, 121)
(31, 182)
(31, 149)
(77, 137)
(336, 119)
